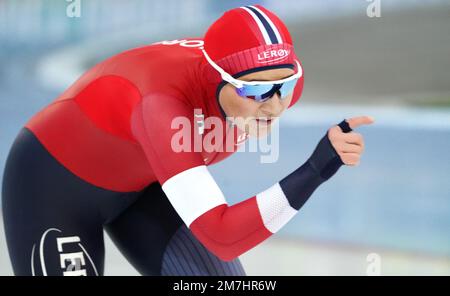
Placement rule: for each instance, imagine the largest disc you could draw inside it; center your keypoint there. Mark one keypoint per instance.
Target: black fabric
(345, 127)
(321, 166)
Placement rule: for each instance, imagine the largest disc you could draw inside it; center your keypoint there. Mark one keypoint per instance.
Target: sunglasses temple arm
(225, 76)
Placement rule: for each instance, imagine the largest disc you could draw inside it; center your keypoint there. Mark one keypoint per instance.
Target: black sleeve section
(322, 165)
(300, 184)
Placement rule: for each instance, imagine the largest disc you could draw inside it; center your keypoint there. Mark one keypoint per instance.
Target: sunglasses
(260, 91)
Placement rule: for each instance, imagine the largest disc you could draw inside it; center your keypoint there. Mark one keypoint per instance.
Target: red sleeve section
(151, 126)
(229, 231)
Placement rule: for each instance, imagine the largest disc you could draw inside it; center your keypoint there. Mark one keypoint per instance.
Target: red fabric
(260, 56)
(108, 101)
(233, 32)
(89, 127)
(230, 231)
(236, 31)
(235, 41)
(93, 154)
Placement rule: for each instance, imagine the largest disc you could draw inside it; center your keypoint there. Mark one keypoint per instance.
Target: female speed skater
(101, 156)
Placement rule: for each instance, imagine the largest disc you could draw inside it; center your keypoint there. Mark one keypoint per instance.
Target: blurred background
(394, 67)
